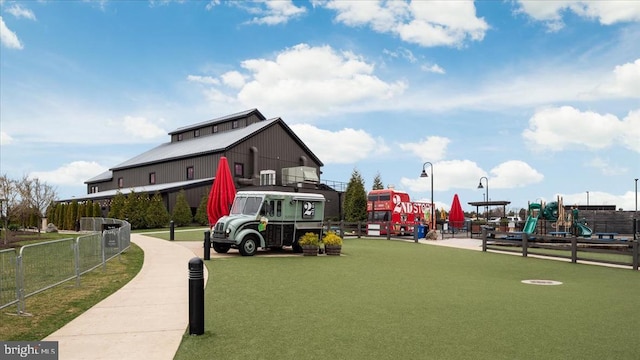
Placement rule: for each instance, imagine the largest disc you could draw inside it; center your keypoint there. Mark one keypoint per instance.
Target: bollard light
(207, 245)
(196, 296)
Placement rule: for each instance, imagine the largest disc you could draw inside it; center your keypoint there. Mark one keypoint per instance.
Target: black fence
(620, 251)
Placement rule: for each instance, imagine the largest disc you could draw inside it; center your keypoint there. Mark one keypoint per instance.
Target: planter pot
(332, 249)
(309, 250)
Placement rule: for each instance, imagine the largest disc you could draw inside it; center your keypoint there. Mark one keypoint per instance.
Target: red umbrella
(222, 193)
(456, 215)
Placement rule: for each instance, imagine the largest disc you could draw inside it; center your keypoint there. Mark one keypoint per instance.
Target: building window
(238, 170)
(190, 173)
(152, 178)
(120, 183)
(179, 137)
(234, 124)
(196, 133)
(94, 189)
(215, 129)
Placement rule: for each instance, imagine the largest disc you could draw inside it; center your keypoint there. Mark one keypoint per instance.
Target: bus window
(279, 208)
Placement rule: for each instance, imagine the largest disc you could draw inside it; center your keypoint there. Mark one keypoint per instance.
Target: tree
(116, 209)
(355, 199)
(182, 212)
(157, 214)
(202, 216)
(377, 182)
(135, 209)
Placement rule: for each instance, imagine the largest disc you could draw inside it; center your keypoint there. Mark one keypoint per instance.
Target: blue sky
(540, 97)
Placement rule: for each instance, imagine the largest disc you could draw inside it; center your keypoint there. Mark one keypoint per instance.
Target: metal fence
(37, 267)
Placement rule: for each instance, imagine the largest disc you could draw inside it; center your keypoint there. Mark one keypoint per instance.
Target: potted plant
(309, 243)
(332, 243)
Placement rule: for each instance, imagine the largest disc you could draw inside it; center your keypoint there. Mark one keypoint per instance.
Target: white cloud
(625, 81)
(346, 146)
(606, 12)
(206, 80)
(19, 12)
(433, 148)
(447, 175)
(141, 127)
(73, 173)
(211, 4)
(274, 12)
(513, 174)
(8, 38)
(401, 52)
(624, 201)
(435, 68)
(606, 167)
(233, 79)
(5, 139)
(565, 127)
(426, 23)
(286, 85)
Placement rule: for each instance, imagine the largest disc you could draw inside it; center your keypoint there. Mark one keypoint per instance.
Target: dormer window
(215, 129)
(179, 137)
(196, 133)
(234, 124)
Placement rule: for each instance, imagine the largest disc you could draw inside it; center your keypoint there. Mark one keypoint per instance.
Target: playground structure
(562, 221)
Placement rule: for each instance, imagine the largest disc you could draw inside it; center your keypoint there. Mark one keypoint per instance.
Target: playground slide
(583, 230)
(530, 225)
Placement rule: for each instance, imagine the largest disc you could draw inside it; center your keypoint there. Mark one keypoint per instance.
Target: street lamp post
(486, 207)
(424, 174)
(587, 198)
(636, 180)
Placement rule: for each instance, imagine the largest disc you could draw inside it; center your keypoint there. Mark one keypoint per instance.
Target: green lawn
(400, 300)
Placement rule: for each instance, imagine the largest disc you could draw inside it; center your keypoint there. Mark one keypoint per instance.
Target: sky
(536, 99)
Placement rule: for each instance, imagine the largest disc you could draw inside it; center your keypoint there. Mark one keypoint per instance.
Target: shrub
(309, 238)
(332, 239)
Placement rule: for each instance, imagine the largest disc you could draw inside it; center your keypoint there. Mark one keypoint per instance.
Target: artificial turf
(400, 300)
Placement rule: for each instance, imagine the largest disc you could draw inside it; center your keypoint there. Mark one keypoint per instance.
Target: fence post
(388, 230)
(525, 244)
(359, 230)
(20, 285)
(104, 255)
(574, 249)
(342, 229)
(76, 260)
(636, 256)
(484, 239)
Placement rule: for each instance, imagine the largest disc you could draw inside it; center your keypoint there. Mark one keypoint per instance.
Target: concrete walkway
(146, 319)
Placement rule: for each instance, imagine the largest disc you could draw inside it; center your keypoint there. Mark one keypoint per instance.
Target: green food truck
(268, 220)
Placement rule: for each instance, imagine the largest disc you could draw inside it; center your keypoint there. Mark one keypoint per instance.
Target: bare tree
(9, 200)
(36, 195)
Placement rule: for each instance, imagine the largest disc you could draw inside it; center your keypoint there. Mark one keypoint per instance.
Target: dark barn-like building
(262, 154)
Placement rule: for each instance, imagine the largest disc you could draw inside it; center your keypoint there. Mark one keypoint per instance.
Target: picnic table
(559, 233)
(606, 235)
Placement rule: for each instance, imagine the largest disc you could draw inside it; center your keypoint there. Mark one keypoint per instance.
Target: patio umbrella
(456, 215)
(222, 193)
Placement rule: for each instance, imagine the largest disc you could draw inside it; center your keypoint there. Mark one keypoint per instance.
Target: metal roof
(107, 175)
(239, 115)
(141, 189)
(201, 145)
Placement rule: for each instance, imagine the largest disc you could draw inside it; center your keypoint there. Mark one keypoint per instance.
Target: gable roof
(198, 146)
(239, 115)
(141, 189)
(213, 143)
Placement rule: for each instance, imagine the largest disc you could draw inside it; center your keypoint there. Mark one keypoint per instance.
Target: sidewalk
(146, 319)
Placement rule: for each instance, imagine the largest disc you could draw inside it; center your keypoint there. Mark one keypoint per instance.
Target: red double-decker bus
(394, 207)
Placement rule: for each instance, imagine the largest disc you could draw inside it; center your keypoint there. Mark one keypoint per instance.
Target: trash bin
(421, 232)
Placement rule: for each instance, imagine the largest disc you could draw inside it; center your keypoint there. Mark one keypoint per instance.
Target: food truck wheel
(248, 246)
(221, 248)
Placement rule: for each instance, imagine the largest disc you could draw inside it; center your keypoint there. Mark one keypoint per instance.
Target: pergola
(487, 204)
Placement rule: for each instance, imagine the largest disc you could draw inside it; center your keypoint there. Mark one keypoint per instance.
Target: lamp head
(424, 173)
(480, 185)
